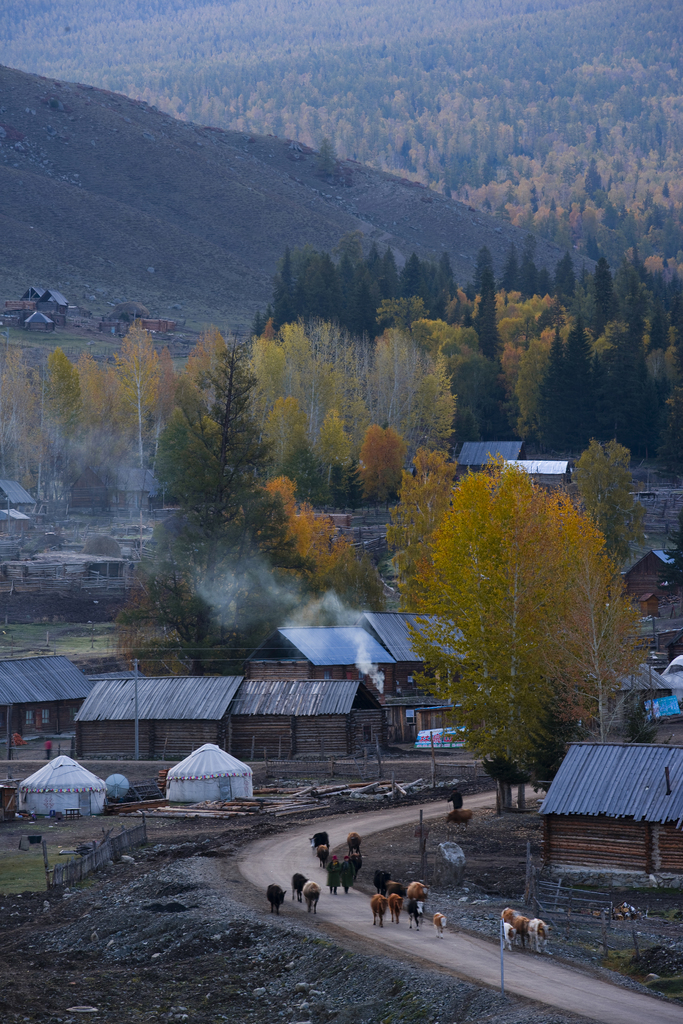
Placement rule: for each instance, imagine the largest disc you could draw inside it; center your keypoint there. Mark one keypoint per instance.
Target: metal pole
(502, 947)
(9, 732)
(137, 720)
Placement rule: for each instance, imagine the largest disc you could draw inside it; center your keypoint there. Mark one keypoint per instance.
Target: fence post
(253, 747)
(527, 887)
(379, 758)
(431, 736)
(604, 931)
(47, 867)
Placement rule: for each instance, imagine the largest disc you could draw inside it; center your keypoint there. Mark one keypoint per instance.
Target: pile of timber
(277, 802)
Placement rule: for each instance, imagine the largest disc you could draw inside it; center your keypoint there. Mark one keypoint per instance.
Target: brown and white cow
(379, 906)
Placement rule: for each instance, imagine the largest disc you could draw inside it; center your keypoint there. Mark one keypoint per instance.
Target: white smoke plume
(365, 664)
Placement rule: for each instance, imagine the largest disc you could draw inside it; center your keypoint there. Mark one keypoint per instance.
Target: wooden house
(13, 522)
(135, 488)
(286, 717)
(327, 652)
(406, 716)
(52, 301)
(176, 714)
(649, 604)
(476, 455)
(613, 815)
(644, 575)
(13, 495)
(40, 695)
(32, 294)
(38, 322)
(547, 473)
(393, 631)
(89, 491)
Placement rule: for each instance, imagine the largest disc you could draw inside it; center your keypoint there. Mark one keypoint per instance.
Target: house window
(367, 734)
(361, 675)
(410, 713)
(410, 680)
(45, 716)
(29, 717)
(328, 674)
(72, 713)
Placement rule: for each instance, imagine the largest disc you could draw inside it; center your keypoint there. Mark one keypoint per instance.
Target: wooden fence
(111, 849)
(369, 768)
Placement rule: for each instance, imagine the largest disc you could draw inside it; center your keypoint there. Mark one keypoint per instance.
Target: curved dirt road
(473, 959)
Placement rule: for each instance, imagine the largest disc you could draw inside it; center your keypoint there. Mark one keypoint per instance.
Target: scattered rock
(449, 865)
(302, 986)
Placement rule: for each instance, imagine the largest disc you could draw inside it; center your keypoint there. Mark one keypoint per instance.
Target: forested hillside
(565, 117)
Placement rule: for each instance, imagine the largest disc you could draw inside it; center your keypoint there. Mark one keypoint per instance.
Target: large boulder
(449, 868)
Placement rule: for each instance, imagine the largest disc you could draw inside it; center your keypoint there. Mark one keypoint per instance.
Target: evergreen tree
(483, 267)
(510, 279)
(544, 282)
(602, 405)
(411, 281)
(553, 397)
(528, 273)
(592, 181)
(258, 324)
(579, 403)
(388, 278)
(485, 322)
(364, 302)
(283, 293)
(603, 310)
(659, 327)
(565, 279)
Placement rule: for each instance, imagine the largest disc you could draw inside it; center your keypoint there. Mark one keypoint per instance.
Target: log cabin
(40, 696)
(644, 575)
(613, 815)
(475, 455)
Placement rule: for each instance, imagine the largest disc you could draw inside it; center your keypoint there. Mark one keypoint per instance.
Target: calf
(440, 923)
(357, 861)
(276, 897)
(396, 887)
(462, 814)
(539, 933)
(379, 906)
(381, 878)
(323, 853)
(416, 891)
(312, 895)
(320, 839)
(521, 927)
(353, 840)
(395, 906)
(415, 909)
(508, 914)
(509, 935)
(298, 882)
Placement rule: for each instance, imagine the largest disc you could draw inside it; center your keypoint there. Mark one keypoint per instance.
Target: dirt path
(473, 959)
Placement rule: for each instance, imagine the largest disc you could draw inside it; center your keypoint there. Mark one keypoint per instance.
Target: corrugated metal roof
(137, 480)
(297, 697)
(38, 318)
(16, 493)
(171, 697)
(392, 630)
(32, 293)
(52, 296)
(324, 645)
(478, 453)
(541, 467)
(620, 780)
(27, 680)
(663, 555)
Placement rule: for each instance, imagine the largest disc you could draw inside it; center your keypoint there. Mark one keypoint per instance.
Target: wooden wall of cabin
(602, 843)
(404, 673)
(367, 727)
(643, 578)
(286, 736)
(157, 739)
(278, 670)
(48, 716)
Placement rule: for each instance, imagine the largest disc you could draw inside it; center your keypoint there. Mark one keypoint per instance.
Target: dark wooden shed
(176, 714)
(644, 575)
(613, 815)
(476, 455)
(286, 717)
(40, 696)
(89, 491)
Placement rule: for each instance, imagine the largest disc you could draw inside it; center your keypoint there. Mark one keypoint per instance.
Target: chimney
(668, 782)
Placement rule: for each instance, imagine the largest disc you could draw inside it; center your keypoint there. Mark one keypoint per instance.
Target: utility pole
(137, 720)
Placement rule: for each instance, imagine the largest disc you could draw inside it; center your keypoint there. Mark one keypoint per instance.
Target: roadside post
(502, 947)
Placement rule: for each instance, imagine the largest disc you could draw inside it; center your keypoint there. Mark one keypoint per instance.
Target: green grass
(24, 871)
(62, 338)
(32, 638)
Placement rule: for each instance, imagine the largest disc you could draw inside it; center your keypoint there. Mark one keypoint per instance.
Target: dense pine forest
(564, 117)
(555, 360)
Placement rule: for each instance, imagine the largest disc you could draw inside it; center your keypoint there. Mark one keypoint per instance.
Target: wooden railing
(110, 849)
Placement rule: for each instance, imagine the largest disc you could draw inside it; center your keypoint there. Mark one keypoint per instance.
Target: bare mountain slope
(96, 188)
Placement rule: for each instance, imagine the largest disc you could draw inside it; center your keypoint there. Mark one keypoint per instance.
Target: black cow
(298, 883)
(320, 839)
(276, 897)
(381, 878)
(415, 909)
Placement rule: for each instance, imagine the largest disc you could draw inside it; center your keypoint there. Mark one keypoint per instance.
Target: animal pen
(112, 848)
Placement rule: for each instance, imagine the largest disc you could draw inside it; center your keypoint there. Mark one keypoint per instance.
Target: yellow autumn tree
(334, 445)
(137, 368)
(423, 500)
(285, 431)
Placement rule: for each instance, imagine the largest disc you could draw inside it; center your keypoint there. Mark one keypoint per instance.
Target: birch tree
(138, 375)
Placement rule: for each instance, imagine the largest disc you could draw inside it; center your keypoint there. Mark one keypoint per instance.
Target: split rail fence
(111, 849)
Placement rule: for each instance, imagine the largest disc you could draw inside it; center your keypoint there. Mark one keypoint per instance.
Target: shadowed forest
(565, 118)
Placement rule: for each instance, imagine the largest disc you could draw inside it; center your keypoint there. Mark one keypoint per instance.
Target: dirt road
(473, 959)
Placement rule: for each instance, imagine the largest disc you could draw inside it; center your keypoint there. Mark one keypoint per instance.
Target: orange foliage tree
(382, 457)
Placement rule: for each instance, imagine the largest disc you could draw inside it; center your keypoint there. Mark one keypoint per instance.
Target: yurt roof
(63, 775)
(208, 762)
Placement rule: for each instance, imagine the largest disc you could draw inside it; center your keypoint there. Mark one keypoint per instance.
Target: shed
(285, 717)
(62, 785)
(407, 716)
(649, 604)
(12, 494)
(176, 714)
(135, 488)
(548, 473)
(42, 695)
(89, 491)
(327, 652)
(644, 575)
(613, 815)
(38, 322)
(14, 522)
(209, 773)
(53, 301)
(476, 455)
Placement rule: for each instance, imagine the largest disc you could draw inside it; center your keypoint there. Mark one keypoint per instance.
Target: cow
(298, 882)
(353, 841)
(396, 887)
(312, 895)
(417, 891)
(323, 853)
(415, 909)
(459, 816)
(521, 927)
(539, 933)
(381, 878)
(507, 914)
(395, 906)
(320, 839)
(509, 935)
(357, 861)
(276, 897)
(440, 923)
(379, 906)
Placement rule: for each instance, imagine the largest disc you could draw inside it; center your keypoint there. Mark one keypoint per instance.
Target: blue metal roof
(27, 680)
(324, 645)
(15, 492)
(392, 629)
(663, 555)
(478, 453)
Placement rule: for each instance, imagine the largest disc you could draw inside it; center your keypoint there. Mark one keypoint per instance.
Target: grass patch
(23, 870)
(671, 987)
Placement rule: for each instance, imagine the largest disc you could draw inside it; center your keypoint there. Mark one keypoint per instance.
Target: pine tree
(672, 574)
(388, 278)
(579, 405)
(363, 305)
(659, 327)
(411, 281)
(565, 279)
(553, 397)
(510, 279)
(483, 266)
(592, 181)
(485, 322)
(283, 293)
(528, 273)
(604, 297)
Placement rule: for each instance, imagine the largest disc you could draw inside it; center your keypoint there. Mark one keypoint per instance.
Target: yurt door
(225, 788)
(84, 803)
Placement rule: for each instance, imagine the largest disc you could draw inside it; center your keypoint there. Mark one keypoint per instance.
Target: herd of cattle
(391, 895)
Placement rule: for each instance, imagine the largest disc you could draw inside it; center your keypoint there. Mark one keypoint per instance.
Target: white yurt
(62, 785)
(209, 773)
